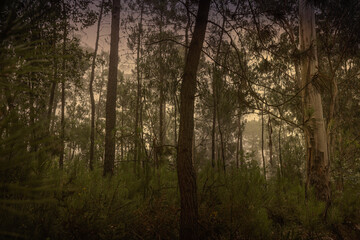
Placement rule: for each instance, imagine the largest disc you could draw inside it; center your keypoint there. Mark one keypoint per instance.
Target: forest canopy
(180, 119)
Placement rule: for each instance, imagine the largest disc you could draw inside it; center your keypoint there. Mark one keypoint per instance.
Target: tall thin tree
(185, 168)
(62, 133)
(215, 80)
(138, 113)
(92, 99)
(314, 127)
(110, 130)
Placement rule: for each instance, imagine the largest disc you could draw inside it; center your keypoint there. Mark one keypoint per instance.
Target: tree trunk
(238, 143)
(53, 114)
(110, 130)
(332, 121)
(162, 105)
(92, 99)
(213, 131)
(62, 133)
(185, 169)
(175, 117)
(280, 156)
(314, 126)
(138, 99)
(99, 99)
(242, 159)
(54, 82)
(222, 146)
(215, 77)
(55, 76)
(262, 141)
(270, 145)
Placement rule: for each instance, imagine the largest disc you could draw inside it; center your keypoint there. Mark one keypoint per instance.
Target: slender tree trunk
(52, 95)
(215, 91)
(280, 156)
(53, 84)
(314, 126)
(242, 160)
(270, 145)
(53, 114)
(239, 143)
(110, 130)
(332, 123)
(262, 142)
(185, 169)
(122, 145)
(175, 117)
(62, 133)
(99, 100)
(142, 101)
(92, 99)
(138, 99)
(213, 131)
(162, 105)
(222, 146)
(54, 80)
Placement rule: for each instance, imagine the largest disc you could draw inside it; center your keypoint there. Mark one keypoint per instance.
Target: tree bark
(92, 99)
(238, 142)
(213, 130)
(110, 130)
(314, 126)
(270, 145)
(54, 82)
(138, 99)
(332, 121)
(215, 97)
(242, 159)
(162, 105)
(222, 146)
(280, 154)
(62, 133)
(185, 169)
(262, 141)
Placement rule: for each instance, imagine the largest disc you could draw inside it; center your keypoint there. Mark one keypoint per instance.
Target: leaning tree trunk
(110, 130)
(185, 169)
(92, 99)
(314, 126)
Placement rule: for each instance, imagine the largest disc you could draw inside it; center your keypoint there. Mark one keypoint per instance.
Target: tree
(62, 132)
(314, 127)
(138, 113)
(185, 169)
(92, 99)
(110, 130)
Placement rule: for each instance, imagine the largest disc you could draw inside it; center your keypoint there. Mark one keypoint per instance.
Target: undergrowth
(78, 204)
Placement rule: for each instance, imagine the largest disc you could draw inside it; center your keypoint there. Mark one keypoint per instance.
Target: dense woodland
(231, 120)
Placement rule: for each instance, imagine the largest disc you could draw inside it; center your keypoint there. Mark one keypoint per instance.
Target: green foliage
(141, 201)
(77, 204)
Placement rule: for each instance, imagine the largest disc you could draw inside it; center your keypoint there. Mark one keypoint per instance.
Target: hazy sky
(88, 37)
